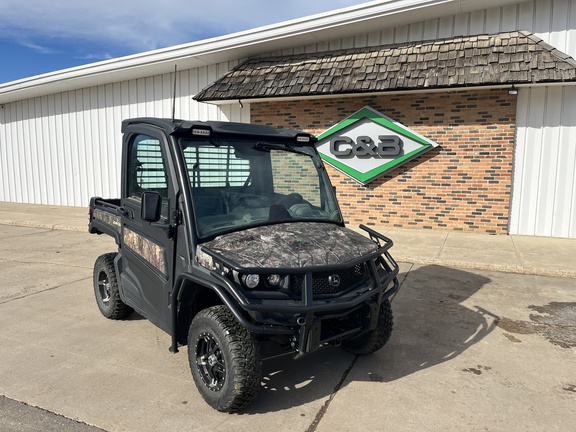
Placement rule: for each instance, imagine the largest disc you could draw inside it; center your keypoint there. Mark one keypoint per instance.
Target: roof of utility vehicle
(173, 127)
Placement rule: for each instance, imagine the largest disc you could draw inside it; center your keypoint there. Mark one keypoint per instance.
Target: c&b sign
(367, 144)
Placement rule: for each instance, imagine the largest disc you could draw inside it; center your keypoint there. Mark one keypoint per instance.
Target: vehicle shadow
(431, 326)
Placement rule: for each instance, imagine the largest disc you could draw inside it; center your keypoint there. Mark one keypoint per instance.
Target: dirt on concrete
(556, 323)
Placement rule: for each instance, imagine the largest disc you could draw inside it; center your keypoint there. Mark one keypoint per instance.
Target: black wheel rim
(210, 362)
(104, 287)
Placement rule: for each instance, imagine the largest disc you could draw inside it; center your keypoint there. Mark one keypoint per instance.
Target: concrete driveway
(471, 351)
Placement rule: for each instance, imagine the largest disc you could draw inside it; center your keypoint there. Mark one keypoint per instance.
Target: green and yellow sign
(368, 144)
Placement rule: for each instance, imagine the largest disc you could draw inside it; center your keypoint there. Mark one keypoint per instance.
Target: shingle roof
(506, 58)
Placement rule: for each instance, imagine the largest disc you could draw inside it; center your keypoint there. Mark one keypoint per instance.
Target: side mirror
(151, 206)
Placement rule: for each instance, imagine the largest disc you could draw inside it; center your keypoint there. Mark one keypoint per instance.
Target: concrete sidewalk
(516, 254)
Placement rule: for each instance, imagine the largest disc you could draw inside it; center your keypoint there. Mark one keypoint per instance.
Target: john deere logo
(367, 144)
(334, 280)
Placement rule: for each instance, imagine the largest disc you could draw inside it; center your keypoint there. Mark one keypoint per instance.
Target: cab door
(147, 248)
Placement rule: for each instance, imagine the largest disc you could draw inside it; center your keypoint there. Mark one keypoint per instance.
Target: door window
(147, 170)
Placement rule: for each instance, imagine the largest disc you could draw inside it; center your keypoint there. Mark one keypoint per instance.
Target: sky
(40, 36)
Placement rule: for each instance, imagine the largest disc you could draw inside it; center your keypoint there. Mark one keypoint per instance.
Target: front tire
(106, 289)
(375, 339)
(224, 359)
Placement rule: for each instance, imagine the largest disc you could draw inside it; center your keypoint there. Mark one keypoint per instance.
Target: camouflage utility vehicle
(230, 234)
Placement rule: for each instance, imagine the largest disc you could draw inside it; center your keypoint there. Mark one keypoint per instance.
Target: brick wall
(291, 175)
(464, 184)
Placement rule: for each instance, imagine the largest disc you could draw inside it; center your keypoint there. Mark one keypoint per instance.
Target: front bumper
(311, 321)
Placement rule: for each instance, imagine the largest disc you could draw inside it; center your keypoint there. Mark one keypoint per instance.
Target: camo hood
(289, 245)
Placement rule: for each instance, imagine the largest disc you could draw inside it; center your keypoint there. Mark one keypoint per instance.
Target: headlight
(251, 280)
(274, 279)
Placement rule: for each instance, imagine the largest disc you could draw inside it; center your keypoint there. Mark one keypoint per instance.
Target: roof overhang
(502, 59)
(247, 101)
(316, 29)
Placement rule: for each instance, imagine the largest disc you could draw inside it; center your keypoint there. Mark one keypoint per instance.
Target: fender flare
(226, 300)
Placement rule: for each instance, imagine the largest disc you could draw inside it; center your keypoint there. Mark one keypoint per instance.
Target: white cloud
(38, 48)
(147, 24)
(95, 57)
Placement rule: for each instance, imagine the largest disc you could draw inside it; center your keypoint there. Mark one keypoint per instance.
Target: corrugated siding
(544, 190)
(62, 149)
(554, 21)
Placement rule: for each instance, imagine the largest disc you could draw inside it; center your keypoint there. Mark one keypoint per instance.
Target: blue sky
(39, 36)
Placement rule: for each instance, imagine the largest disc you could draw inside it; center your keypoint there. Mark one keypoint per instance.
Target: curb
(56, 227)
(490, 267)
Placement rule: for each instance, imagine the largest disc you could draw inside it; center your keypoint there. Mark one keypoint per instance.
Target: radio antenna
(174, 95)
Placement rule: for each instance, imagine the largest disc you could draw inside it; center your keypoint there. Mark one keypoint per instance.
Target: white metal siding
(554, 21)
(62, 149)
(544, 194)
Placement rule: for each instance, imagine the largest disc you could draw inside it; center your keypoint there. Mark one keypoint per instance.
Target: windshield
(240, 184)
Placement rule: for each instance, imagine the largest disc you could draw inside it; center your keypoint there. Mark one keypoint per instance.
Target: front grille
(321, 281)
